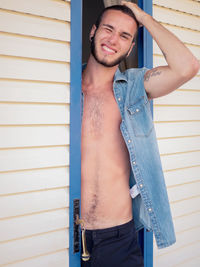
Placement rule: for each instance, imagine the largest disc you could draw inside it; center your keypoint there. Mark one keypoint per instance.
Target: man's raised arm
(182, 64)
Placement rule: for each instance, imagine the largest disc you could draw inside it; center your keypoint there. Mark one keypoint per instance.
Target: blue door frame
(75, 121)
(145, 56)
(145, 59)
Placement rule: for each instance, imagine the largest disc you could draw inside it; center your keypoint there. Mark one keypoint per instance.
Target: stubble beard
(103, 62)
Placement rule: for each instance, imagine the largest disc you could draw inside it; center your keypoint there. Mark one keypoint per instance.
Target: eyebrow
(111, 27)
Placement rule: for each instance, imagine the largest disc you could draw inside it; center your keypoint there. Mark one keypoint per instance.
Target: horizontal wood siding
(177, 123)
(34, 132)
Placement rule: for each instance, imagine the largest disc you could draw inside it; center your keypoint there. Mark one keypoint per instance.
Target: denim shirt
(147, 186)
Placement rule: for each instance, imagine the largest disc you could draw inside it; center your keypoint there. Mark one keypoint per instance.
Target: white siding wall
(34, 132)
(177, 121)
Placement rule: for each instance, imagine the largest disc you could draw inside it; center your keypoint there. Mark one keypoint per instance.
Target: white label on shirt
(134, 191)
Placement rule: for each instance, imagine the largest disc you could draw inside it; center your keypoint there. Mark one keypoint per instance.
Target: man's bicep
(161, 81)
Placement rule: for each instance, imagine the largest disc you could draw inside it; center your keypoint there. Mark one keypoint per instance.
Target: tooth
(108, 49)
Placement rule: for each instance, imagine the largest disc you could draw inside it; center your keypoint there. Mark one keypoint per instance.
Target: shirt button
(134, 162)
(119, 99)
(141, 185)
(150, 209)
(137, 110)
(129, 141)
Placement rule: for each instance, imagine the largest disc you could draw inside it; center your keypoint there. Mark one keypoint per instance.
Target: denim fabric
(151, 206)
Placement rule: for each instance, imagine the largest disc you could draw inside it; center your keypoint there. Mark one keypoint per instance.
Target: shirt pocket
(140, 117)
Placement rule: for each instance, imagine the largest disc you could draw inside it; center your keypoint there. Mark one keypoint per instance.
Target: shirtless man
(106, 203)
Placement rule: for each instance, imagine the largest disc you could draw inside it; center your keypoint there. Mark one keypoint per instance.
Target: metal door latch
(76, 209)
(77, 221)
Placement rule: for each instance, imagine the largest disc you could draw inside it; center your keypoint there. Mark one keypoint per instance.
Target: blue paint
(75, 119)
(145, 59)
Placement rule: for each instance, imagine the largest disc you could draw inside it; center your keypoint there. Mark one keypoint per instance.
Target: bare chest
(101, 115)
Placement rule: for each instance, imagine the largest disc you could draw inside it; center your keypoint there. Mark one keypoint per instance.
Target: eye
(108, 29)
(125, 37)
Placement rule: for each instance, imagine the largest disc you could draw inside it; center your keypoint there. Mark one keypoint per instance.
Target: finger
(123, 2)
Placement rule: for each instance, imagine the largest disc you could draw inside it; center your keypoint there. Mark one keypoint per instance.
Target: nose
(113, 38)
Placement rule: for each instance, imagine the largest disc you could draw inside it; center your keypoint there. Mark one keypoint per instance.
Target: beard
(103, 61)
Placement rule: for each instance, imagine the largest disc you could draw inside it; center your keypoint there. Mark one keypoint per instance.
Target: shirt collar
(119, 76)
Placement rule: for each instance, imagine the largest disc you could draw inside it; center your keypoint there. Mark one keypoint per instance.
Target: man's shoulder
(134, 75)
(135, 72)
(135, 81)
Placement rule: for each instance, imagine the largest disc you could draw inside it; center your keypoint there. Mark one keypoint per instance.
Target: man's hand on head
(138, 12)
(181, 66)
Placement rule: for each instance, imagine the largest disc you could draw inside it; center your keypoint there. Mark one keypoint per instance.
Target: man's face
(112, 40)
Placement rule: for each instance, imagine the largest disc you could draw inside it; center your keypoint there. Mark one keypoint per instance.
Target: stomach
(105, 197)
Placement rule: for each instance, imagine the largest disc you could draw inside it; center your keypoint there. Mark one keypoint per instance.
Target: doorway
(91, 10)
(142, 56)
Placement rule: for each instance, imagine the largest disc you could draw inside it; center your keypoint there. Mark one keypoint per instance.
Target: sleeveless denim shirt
(150, 204)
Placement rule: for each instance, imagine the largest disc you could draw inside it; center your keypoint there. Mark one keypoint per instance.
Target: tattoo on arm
(153, 73)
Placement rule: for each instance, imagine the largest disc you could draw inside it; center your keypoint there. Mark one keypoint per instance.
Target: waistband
(111, 231)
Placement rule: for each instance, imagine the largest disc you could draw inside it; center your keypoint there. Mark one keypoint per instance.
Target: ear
(131, 47)
(92, 32)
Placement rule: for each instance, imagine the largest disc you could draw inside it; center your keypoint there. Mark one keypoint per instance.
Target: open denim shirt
(150, 200)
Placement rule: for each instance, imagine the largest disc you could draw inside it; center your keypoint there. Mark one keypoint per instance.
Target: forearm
(178, 56)
(181, 64)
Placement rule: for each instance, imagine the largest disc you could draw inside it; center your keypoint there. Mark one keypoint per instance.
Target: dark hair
(121, 8)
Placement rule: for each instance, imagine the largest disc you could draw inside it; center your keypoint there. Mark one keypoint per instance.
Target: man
(118, 143)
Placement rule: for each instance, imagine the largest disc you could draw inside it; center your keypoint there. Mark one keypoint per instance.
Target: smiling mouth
(109, 50)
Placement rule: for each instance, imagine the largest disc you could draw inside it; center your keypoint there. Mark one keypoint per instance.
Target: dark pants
(113, 247)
